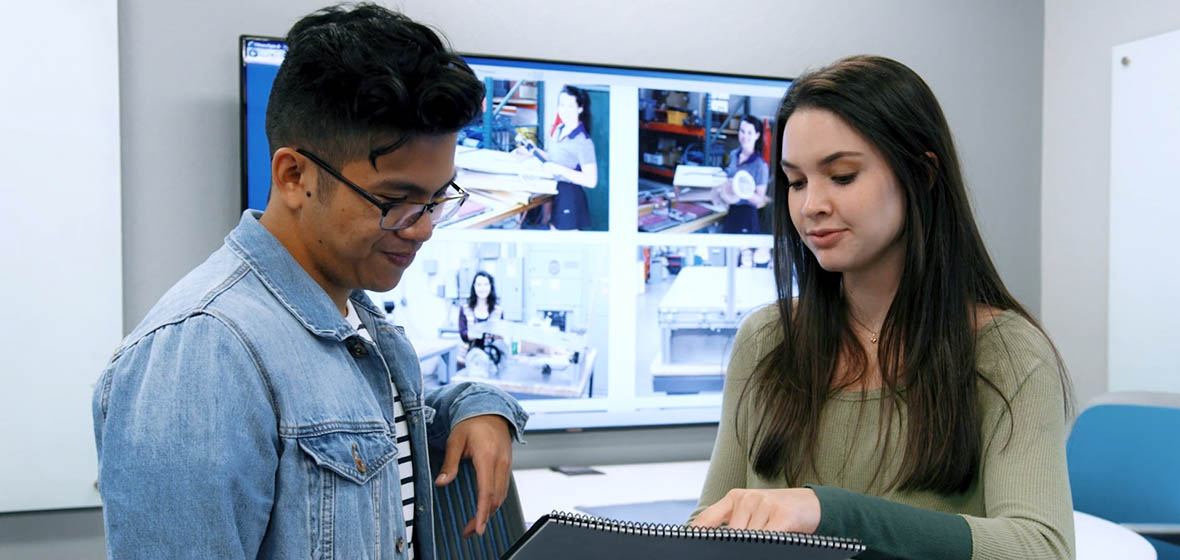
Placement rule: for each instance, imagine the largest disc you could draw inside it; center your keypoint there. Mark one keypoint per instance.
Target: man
(264, 407)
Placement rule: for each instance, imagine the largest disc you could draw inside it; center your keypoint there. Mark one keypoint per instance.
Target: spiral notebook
(572, 536)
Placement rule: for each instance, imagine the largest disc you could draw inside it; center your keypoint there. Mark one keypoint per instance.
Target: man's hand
(488, 442)
(789, 509)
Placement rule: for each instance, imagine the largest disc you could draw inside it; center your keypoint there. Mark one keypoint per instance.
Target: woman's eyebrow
(826, 161)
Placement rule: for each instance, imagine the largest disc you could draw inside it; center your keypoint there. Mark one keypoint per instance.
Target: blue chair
(454, 505)
(1124, 465)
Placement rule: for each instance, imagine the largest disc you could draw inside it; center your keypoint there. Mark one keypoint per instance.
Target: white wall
(1075, 218)
(61, 285)
(1144, 256)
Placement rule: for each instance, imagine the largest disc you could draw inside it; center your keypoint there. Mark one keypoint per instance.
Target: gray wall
(52, 535)
(179, 121)
(1075, 216)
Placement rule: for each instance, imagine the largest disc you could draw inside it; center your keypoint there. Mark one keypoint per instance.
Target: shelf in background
(673, 128)
(530, 103)
(661, 171)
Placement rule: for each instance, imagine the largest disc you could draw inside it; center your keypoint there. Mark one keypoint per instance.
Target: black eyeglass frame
(385, 207)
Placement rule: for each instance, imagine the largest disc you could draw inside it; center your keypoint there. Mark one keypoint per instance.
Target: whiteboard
(61, 290)
(1144, 327)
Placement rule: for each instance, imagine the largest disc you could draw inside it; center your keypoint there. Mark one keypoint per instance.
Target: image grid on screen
(616, 235)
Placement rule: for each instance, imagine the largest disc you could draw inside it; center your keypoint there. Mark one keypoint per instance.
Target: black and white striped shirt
(405, 467)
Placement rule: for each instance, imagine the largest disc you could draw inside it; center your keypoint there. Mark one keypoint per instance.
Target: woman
(904, 398)
(571, 159)
(481, 307)
(747, 157)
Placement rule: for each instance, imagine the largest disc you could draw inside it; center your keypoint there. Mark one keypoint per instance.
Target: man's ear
(292, 181)
(932, 168)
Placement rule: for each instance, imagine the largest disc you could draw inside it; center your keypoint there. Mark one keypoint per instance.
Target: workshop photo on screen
(530, 318)
(688, 312)
(704, 162)
(536, 158)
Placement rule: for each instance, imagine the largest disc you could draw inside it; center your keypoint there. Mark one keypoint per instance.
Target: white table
(1099, 539)
(698, 299)
(704, 289)
(446, 349)
(542, 491)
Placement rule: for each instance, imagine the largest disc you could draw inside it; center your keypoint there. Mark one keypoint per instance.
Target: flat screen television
(624, 243)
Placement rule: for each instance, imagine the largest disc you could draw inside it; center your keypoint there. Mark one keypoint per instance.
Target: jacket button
(401, 544)
(356, 459)
(358, 350)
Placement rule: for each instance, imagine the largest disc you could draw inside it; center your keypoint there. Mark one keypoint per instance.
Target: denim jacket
(244, 418)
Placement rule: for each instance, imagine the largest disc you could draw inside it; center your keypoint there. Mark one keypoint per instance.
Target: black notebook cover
(580, 537)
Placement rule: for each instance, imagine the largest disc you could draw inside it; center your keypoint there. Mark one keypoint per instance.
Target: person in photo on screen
(904, 398)
(265, 407)
(754, 257)
(480, 307)
(570, 157)
(744, 192)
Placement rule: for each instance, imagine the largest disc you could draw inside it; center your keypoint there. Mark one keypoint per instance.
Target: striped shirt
(405, 466)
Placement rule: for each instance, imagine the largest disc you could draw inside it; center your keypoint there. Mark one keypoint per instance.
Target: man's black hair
(360, 81)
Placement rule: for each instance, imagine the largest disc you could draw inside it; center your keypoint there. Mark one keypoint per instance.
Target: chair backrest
(454, 506)
(1124, 458)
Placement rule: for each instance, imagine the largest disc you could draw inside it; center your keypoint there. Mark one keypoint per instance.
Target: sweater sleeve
(890, 529)
(1029, 510)
(728, 464)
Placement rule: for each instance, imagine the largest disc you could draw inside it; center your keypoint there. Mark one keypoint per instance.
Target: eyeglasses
(403, 213)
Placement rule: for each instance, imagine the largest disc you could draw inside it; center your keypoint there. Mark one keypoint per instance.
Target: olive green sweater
(1018, 507)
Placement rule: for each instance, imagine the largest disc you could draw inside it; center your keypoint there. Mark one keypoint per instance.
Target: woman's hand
(789, 509)
(586, 178)
(556, 169)
(759, 199)
(723, 193)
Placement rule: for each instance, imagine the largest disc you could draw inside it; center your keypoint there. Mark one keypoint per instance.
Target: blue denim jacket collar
(287, 279)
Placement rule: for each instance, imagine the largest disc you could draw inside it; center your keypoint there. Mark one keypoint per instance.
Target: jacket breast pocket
(353, 488)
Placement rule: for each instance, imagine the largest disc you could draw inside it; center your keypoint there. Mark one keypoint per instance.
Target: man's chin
(384, 284)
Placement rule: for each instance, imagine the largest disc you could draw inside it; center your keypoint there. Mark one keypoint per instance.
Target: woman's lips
(825, 238)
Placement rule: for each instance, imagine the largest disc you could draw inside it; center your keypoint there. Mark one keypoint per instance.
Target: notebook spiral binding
(689, 532)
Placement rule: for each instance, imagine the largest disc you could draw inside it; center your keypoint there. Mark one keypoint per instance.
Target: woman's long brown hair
(927, 344)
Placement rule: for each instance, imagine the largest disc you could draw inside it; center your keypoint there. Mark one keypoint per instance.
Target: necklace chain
(872, 334)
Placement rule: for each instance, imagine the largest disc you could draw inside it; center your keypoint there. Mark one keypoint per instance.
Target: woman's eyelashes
(844, 179)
